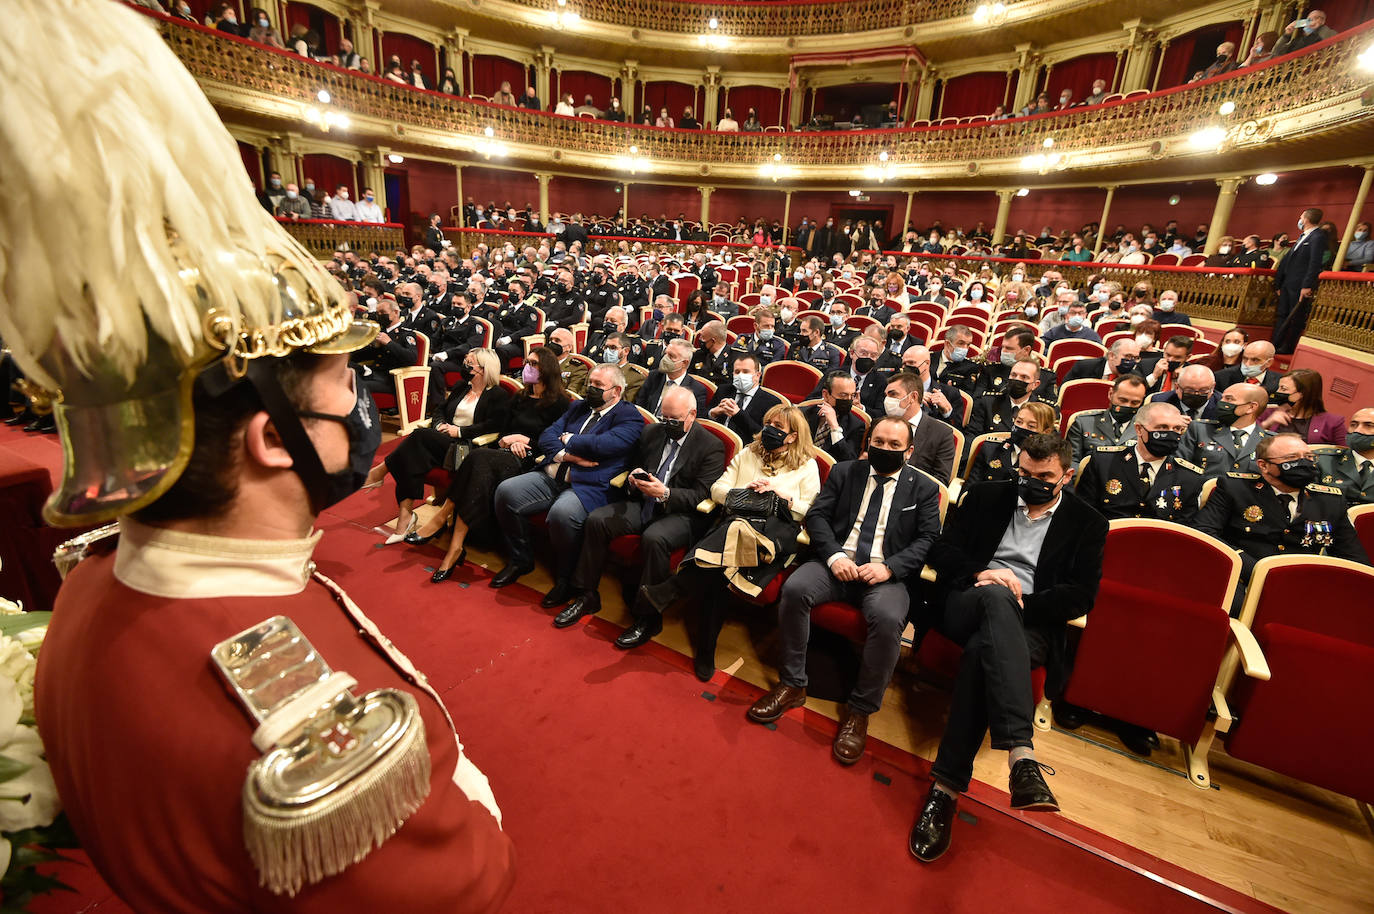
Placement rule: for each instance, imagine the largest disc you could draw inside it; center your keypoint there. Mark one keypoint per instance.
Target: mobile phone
(1300, 23)
(640, 474)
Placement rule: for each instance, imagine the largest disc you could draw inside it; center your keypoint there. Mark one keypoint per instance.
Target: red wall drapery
(1190, 53)
(489, 71)
(328, 172)
(1077, 75)
(252, 162)
(582, 84)
(312, 17)
(409, 48)
(764, 99)
(670, 95)
(973, 94)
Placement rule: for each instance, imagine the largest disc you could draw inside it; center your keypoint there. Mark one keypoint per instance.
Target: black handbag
(752, 505)
(457, 452)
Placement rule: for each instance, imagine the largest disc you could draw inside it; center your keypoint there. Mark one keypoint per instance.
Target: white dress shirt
(851, 542)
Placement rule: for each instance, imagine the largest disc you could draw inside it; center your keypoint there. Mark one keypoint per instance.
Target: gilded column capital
(1231, 184)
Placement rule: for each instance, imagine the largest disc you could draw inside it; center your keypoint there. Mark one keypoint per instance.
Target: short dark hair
(831, 376)
(1021, 336)
(1133, 379)
(909, 380)
(895, 420)
(813, 322)
(1044, 445)
(1182, 340)
(747, 357)
(1312, 215)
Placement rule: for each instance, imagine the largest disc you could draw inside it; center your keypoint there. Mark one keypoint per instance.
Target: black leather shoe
(1137, 739)
(42, 424)
(1069, 717)
(704, 667)
(1028, 788)
(443, 574)
(585, 605)
(416, 539)
(23, 418)
(642, 632)
(560, 593)
(508, 574)
(931, 833)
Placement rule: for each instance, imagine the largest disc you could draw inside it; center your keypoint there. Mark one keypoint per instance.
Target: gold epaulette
(1326, 490)
(1242, 475)
(1178, 461)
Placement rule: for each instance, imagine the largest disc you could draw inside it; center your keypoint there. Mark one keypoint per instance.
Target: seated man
(614, 322)
(671, 372)
(839, 331)
(458, 335)
(1017, 343)
(1144, 479)
(763, 343)
(899, 339)
(656, 335)
(1280, 509)
(995, 412)
(394, 347)
(1161, 368)
(712, 358)
(813, 348)
(1194, 394)
(834, 427)
(1352, 468)
(1228, 444)
(720, 302)
(674, 464)
(941, 400)
(1097, 427)
(1017, 561)
(1166, 310)
(574, 370)
(513, 322)
(616, 351)
(1361, 251)
(1075, 326)
(1255, 360)
(741, 406)
(1122, 358)
(870, 527)
(933, 445)
(952, 364)
(583, 451)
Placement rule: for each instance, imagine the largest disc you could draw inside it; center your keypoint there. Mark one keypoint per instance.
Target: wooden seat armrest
(1080, 622)
(484, 440)
(1251, 656)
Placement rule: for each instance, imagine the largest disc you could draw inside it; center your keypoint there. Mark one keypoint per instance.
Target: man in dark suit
(933, 446)
(671, 371)
(898, 340)
(614, 323)
(1123, 357)
(1228, 444)
(1255, 360)
(1194, 395)
(458, 335)
(1017, 561)
(414, 315)
(952, 364)
(673, 467)
(575, 232)
(394, 347)
(434, 235)
(940, 400)
(870, 527)
(1296, 279)
(582, 452)
(741, 405)
(1352, 468)
(834, 427)
(1145, 479)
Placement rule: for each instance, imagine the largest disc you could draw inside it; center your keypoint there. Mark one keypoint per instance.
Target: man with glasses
(1016, 561)
(834, 427)
(1194, 394)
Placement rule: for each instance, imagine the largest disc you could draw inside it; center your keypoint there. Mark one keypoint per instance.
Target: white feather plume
(108, 151)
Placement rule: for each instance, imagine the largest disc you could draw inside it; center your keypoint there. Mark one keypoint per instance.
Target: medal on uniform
(1178, 498)
(1253, 514)
(1161, 503)
(1307, 533)
(995, 465)
(1113, 487)
(996, 381)
(997, 418)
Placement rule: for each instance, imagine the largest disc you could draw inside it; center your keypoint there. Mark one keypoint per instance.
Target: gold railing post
(786, 215)
(1360, 196)
(462, 215)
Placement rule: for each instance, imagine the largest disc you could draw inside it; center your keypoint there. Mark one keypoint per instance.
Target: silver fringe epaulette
(68, 555)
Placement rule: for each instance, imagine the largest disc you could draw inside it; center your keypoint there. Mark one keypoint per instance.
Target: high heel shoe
(395, 538)
(443, 574)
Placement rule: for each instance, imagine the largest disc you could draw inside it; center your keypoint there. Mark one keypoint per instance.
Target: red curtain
(1077, 75)
(1346, 14)
(488, 72)
(409, 48)
(763, 99)
(845, 101)
(328, 172)
(581, 84)
(317, 20)
(1193, 52)
(252, 162)
(673, 96)
(973, 94)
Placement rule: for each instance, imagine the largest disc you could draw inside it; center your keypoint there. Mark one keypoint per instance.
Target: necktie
(1366, 475)
(668, 454)
(1145, 473)
(869, 529)
(564, 468)
(1239, 435)
(1288, 501)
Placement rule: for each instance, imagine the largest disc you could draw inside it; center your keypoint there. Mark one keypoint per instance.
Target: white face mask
(1144, 340)
(786, 314)
(892, 406)
(1137, 320)
(1018, 277)
(1231, 350)
(1166, 304)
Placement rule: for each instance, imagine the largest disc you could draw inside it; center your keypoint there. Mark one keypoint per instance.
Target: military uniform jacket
(1246, 514)
(1342, 470)
(1094, 428)
(1111, 483)
(714, 368)
(841, 338)
(425, 321)
(992, 379)
(1212, 446)
(516, 321)
(764, 350)
(634, 294)
(601, 299)
(399, 353)
(963, 375)
(995, 462)
(458, 336)
(992, 413)
(826, 356)
(563, 308)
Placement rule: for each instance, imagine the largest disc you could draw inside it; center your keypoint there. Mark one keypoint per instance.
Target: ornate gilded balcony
(1318, 103)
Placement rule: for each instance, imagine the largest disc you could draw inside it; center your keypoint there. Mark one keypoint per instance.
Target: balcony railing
(1307, 92)
(322, 237)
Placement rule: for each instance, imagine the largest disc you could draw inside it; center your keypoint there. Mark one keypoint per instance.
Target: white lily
(29, 800)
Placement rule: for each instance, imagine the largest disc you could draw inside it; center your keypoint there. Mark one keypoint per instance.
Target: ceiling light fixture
(1023, 192)
(1266, 179)
(323, 96)
(395, 159)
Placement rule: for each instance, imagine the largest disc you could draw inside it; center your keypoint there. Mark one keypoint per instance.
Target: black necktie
(1287, 501)
(564, 468)
(1366, 474)
(1239, 435)
(668, 454)
(869, 529)
(1145, 473)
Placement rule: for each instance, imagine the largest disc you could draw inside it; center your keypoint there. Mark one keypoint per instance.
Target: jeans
(535, 493)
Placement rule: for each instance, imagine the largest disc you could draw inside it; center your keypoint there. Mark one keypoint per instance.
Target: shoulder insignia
(1243, 475)
(1110, 448)
(1327, 490)
(1178, 461)
(68, 555)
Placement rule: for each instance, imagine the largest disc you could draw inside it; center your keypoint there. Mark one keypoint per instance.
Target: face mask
(1231, 350)
(1031, 310)
(310, 188)
(1359, 441)
(1144, 340)
(1361, 235)
(1035, 491)
(674, 428)
(612, 355)
(935, 287)
(263, 22)
(895, 335)
(1113, 306)
(1161, 444)
(530, 373)
(1120, 414)
(1167, 304)
(1137, 320)
(837, 320)
(1017, 388)
(876, 303)
(1226, 413)
(276, 182)
(1126, 366)
(892, 406)
(1019, 435)
(670, 335)
(786, 315)
(364, 437)
(958, 354)
(744, 383)
(466, 371)
(1224, 249)
(885, 461)
(975, 295)
(1300, 226)
(668, 366)
(1251, 371)
(772, 437)
(765, 299)
(1194, 401)
(1018, 277)
(1075, 322)
(1299, 473)
(595, 397)
(827, 294)
(557, 348)
(842, 408)
(343, 195)
(863, 364)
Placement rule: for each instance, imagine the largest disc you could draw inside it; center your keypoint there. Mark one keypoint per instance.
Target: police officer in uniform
(1352, 469)
(814, 349)
(602, 294)
(1144, 479)
(764, 343)
(565, 305)
(614, 323)
(952, 365)
(996, 411)
(713, 358)
(674, 327)
(1097, 427)
(393, 347)
(1017, 343)
(1229, 443)
(516, 320)
(634, 293)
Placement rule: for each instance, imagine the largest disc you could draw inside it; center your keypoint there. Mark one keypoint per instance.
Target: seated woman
(976, 295)
(1227, 355)
(696, 310)
(741, 549)
(1300, 410)
(476, 406)
(998, 461)
(468, 501)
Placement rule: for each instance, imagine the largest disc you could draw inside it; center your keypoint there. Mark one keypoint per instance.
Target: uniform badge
(1253, 514)
(996, 382)
(997, 418)
(1113, 487)
(995, 465)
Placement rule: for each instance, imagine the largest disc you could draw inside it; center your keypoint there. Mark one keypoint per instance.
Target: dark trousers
(1290, 319)
(884, 607)
(538, 493)
(992, 690)
(422, 450)
(656, 544)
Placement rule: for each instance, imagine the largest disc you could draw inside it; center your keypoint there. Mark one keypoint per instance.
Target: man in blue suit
(1296, 281)
(580, 454)
(1195, 393)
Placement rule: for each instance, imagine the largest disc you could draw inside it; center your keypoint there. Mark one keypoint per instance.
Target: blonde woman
(999, 461)
(746, 548)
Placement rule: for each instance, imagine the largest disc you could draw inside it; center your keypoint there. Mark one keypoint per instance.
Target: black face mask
(1113, 306)
(1298, 473)
(895, 335)
(595, 397)
(1162, 444)
(1035, 491)
(555, 348)
(466, 371)
(1017, 388)
(863, 364)
(1226, 413)
(1019, 435)
(1140, 293)
(772, 437)
(1172, 366)
(608, 327)
(1121, 413)
(842, 408)
(884, 460)
(673, 428)
(669, 335)
(1126, 366)
(1194, 401)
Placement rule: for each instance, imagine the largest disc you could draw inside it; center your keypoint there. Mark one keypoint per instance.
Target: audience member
(728, 124)
(1075, 325)
(1097, 427)
(1122, 358)
(934, 448)
(1193, 394)
(834, 427)
(529, 100)
(1360, 253)
(742, 405)
(1144, 479)
(998, 457)
(1299, 409)
(1352, 468)
(1254, 365)
(1296, 280)
(1302, 33)
(368, 210)
(1228, 445)
(671, 372)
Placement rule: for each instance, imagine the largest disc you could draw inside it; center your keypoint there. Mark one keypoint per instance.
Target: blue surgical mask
(959, 354)
(837, 321)
(766, 334)
(1251, 371)
(1063, 310)
(1008, 358)
(744, 383)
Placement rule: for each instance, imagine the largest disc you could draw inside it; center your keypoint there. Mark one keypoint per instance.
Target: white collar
(1360, 460)
(179, 565)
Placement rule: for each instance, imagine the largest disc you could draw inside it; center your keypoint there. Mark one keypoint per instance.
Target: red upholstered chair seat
(1308, 721)
(840, 618)
(438, 479)
(625, 550)
(1149, 668)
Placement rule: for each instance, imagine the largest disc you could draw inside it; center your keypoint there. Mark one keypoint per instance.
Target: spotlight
(882, 156)
(1023, 192)
(1173, 201)
(395, 159)
(777, 157)
(855, 193)
(713, 23)
(1266, 179)
(1049, 142)
(1208, 137)
(323, 96)
(1226, 108)
(489, 131)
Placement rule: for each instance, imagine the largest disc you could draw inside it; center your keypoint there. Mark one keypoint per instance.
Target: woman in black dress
(476, 406)
(998, 460)
(468, 502)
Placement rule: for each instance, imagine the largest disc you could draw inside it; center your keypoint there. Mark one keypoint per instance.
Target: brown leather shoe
(776, 703)
(851, 737)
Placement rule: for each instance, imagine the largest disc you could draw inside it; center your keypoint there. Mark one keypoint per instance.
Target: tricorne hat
(133, 250)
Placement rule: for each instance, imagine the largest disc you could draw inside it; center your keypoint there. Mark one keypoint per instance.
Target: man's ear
(263, 445)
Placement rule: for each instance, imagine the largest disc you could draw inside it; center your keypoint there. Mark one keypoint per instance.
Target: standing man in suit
(1147, 479)
(673, 467)
(1097, 427)
(434, 235)
(933, 446)
(1296, 278)
(1195, 395)
(834, 427)
(1016, 561)
(582, 452)
(671, 372)
(1228, 444)
(1255, 360)
(870, 527)
(742, 405)
(1352, 468)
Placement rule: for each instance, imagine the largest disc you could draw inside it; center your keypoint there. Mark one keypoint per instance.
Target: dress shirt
(553, 465)
(851, 542)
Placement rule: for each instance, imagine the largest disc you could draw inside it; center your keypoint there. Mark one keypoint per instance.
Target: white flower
(32, 638)
(18, 666)
(29, 800)
(10, 607)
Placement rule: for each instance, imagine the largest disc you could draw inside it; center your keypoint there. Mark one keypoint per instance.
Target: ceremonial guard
(227, 730)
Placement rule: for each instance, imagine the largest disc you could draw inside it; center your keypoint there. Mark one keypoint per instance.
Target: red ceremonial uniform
(149, 750)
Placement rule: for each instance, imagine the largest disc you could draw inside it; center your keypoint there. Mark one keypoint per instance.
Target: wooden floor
(1291, 845)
